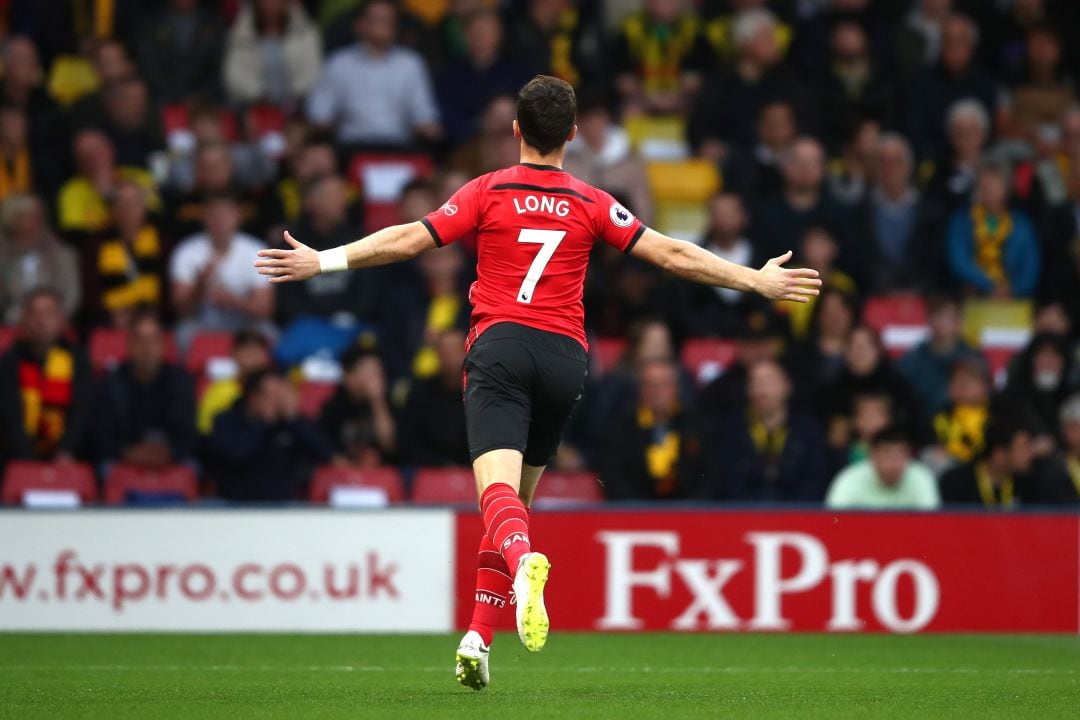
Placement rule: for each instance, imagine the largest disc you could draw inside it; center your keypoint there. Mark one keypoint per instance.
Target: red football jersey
(535, 227)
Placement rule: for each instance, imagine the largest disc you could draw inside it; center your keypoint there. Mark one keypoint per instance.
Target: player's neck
(531, 157)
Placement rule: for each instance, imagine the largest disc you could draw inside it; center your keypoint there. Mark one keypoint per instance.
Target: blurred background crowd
(923, 155)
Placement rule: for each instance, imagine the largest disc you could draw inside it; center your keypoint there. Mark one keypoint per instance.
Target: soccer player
(535, 226)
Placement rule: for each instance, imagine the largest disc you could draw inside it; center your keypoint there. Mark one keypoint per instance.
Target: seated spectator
(495, 146)
(1060, 274)
(890, 479)
(601, 155)
(466, 85)
(961, 426)
(760, 337)
(76, 80)
(957, 76)
(852, 87)
(22, 82)
(816, 361)
(554, 37)
(774, 452)
(312, 160)
(253, 163)
(1068, 492)
(145, 410)
(434, 419)
(180, 50)
(131, 261)
(344, 298)
(993, 250)
(730, 103)
(952, 174)
(214, 175)
(715, 311)
(753, 171)
(376, 92)
(649, 450)
(1039, 382)
(866, 369)
(918, 41)
(273, 53)
(250, 354)
(263, 448)
(851, 174)
(25, 165)
(214, 285)
(1045, 93)
(929, 366)
(357, 418)
(82, 206)
(802, 202)
(871, 412)
(898, 257)
(1000, 477)
(819, 250)
(659, 58)
(131, 122)
(32, 257)
(45, 387)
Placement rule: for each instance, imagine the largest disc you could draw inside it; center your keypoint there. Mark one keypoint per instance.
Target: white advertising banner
(279, 571)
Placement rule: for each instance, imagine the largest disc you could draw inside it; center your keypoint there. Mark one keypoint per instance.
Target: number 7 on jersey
(549, 242)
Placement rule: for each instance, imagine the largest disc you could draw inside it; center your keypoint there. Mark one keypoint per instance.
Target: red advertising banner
(799, 571)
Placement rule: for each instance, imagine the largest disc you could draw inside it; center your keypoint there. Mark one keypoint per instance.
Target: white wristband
(333, 260)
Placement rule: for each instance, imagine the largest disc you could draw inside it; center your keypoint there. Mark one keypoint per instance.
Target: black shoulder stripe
(433, 231)
(637, 236)
(541, 189)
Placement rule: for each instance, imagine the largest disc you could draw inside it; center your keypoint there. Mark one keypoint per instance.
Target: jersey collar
(535, 166)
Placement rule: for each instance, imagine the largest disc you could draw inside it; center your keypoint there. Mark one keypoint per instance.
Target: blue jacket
(1021, 255)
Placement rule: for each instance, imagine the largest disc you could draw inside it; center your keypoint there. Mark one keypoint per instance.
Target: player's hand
(297, 263)
(779, 283)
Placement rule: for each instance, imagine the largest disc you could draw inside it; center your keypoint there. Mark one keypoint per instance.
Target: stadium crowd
(919, 153)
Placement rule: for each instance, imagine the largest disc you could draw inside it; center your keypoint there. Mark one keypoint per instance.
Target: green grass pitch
(577, 676)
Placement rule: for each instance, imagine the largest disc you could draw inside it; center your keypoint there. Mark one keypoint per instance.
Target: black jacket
(129, 412)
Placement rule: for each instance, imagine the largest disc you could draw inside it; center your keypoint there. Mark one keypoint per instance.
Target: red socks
(507, 523)
(492, 590)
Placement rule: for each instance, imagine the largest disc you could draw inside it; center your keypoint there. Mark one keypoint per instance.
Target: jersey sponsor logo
(449, 209)
(620, 216)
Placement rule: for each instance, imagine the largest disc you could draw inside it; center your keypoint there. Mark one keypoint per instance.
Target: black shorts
(521, 387)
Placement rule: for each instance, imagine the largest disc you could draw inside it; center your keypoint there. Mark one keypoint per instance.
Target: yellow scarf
(660, 50)
(46, 395)
(662, 457)
(769, 443)
(442, 312)
(1073, 466)
(562, 48)
(125, 270)
(994, 497)
(990, 244)
(15, 178)
(960, 430)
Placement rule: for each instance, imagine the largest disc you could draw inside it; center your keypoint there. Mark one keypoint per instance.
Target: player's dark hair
(546, 111)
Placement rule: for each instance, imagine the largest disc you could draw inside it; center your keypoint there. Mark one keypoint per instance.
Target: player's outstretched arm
(389, 245)
(691, 262)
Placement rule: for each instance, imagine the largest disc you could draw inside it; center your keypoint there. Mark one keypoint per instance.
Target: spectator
(495, 146)
(928, 367)
(273, 53)
(961, 426)
(376, 92)
(773, 452)
(214, 284)
(130, 121)
(759, 338)
(819, 250)
(254, 163)
(250, 354)
(314, 159)
(992, 248)
(32, 257)
(466, 85)
(263, 448)
(45, 386)
(899, 258)
(553, 37)
(853, 89)
(146, 406)
(659, 58)
(601, 155)
(1000, 477)
(871, 412)
(852, 174)
(25, 166)
(950, 186)
(934, 90)
(434, 419)
(816, 361)
(1060, 247)
(729, 105)
(889, 480)
(357, 417)
(918, 42)
(1068, 492)
(180, 51)
(1044, 94)
(131, 260)
(802, 202)
(344, 298)
(1039, 382)
(22, 82)
(756, 172)
(83, 203)
(713, 311)
(78, 82)
(650, 449)
(214, 175)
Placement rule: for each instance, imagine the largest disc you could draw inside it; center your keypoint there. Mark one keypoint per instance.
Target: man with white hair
(728, 106)
(968, 127)
(936, 89)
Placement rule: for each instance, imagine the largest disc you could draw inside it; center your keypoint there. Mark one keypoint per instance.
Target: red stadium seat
(207, 346)
(444, 486)
(330, 476)
(381, 177)
(108, 348)
(7, 337)
(176, 480)
(606, 353)
(313, 395)
(900, 320)
(175, 118)
(707, 358)
(22, 476)
(997, 361)
(558, 488)
(263, 120)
